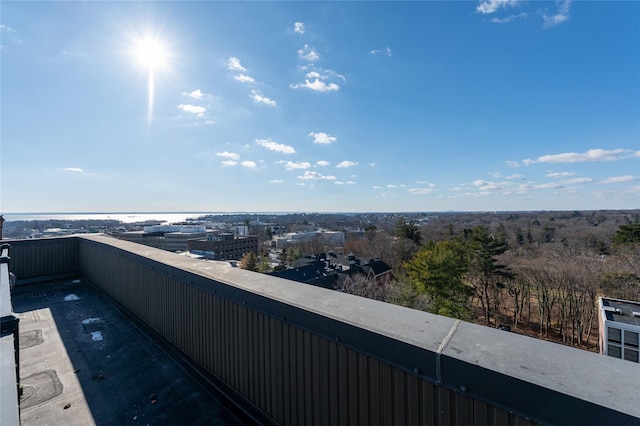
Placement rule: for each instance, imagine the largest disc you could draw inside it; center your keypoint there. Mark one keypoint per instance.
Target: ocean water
(122, 217)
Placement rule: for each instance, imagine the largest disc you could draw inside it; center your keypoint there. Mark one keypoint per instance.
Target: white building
(335, 238)
(619, 328)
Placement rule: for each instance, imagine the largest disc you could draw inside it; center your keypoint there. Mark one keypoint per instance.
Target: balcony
(269, 350)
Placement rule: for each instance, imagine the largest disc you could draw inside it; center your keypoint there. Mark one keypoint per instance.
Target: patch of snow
(91, 320)
(71, 297)
(96, 336)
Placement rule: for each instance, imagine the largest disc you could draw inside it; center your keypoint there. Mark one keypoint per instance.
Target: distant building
(619, 328)
(334, 238)
(225, 246)
(166, 237)
(332, 270)
(178, 241)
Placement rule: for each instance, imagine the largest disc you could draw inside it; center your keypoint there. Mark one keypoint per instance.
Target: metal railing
(299, 354)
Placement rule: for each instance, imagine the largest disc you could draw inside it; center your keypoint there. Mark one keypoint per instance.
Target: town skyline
(323, 107)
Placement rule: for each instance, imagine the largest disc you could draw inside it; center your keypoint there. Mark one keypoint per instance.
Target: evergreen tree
(487, 276)
(249, 262)
(282, 258)
(437, 270)
(627, 234)
(409, 230)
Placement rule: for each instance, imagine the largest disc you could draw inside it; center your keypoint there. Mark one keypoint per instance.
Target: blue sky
(319, 106)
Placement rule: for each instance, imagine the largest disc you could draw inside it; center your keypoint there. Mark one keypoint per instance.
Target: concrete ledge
(9, 411)
(535, 379)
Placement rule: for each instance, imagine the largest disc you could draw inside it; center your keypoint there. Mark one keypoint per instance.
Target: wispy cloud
(274, 146)
(484, 185)
(317, 85)
(322, 138)
(11, 32)
(322, 163)
(386, 51)
(509, 18)
(421, 191)
(229, 162)
(560, 174)
(346, 164)
(242, 78)
(197, 110)
(259, 99)
(590, 155)
(73, 170)
(560, 16)
(276, 181)
(308, 53)
(311, 175)
(196, 94)
(298, 27)
(230, 155)
(621, 179)
(291, 165)
(249, 164)
(233, 64)
(492, 6)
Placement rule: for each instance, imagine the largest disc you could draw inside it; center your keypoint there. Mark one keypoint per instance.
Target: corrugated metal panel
(44, 257)
(293, 375)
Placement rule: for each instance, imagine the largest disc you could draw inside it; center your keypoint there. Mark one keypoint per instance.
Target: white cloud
(308, 53)
(421, 191)
(372, 164)
(317, 85)
(391, 186)
(193, 109)
(386, 51)
(492, 6)
(559, 174)
(249, 164)
(234, 64)
(508, 18)
(484, 185)
(274, 146)
(229, 162)
(196, 94)
(510, 163)
(345, 164)
(291, 165)
(514, 176)
(310, 175)
(230, 155)
(244, 78)
(590, 155)
(322, 163)
(259, 99)
(298, 27)
(559, 17)
(620, 179)
(73, 169)
(322, 138)
(376, 187)
(577, 180)
(276, 181)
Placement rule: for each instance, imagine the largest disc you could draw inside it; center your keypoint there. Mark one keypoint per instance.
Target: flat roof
(83, 362)
(621, 311)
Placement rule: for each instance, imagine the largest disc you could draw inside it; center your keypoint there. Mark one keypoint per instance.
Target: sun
(151, 54)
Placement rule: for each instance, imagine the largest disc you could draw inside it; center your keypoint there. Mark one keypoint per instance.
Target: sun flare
(150, 54)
